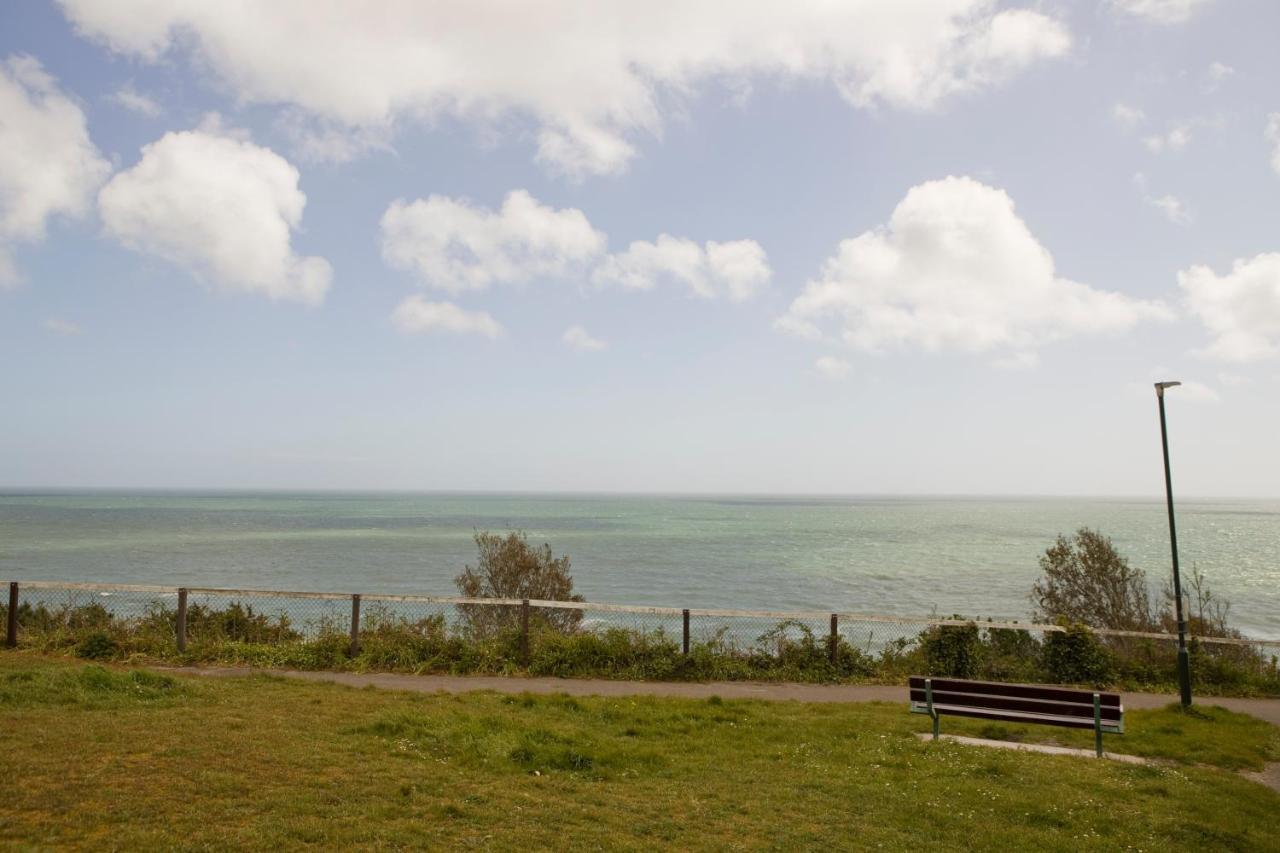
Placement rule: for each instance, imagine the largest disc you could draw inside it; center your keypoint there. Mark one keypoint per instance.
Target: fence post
(686, 630)
(524, 632)
(182, 620)
(11, 634)
(355, 627)
(834, 640)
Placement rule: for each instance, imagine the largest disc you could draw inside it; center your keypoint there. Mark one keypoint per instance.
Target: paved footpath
(1265, 709)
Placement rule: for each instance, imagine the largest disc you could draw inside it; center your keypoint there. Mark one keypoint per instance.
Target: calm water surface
(908, 556)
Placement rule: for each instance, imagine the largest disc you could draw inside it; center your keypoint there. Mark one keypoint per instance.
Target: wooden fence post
(11, 634)
(686, 630)
(182, 620)
(834, 640)
(524, 632)
(355, 627)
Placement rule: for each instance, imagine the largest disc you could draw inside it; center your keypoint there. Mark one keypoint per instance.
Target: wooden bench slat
(1015, 717)
(1082, 707)
(1030, 691)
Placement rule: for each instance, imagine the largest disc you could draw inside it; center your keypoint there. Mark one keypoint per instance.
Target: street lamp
(1184, 662)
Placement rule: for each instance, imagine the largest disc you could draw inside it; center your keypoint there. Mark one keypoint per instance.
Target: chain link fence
(438, 634)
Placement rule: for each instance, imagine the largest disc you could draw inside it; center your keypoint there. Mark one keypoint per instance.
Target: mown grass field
(128, 759)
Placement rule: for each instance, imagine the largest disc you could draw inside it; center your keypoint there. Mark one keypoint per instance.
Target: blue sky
(941, 247)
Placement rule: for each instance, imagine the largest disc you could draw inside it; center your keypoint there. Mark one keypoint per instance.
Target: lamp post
(1184, 661)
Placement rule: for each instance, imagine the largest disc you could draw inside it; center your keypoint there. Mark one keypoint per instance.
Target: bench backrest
(1061, 706)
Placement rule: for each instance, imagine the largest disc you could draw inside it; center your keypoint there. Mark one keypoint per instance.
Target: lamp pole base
(1184, 676)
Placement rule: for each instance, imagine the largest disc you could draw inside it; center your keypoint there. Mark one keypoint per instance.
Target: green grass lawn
(127, 759)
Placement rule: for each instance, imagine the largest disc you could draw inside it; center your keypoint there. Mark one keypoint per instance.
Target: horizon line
(18, 491)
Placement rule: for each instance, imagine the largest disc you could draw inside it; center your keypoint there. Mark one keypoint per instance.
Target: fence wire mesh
(419, 633)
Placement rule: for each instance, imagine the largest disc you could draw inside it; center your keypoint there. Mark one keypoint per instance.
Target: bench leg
(1097, 724)
(928, 696)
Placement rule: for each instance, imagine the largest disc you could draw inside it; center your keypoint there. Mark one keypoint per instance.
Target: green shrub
(1010, 654)
(97, 646)
(1075, 656)
(952, 650)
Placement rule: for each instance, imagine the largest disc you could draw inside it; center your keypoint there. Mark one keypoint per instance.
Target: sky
(927, 247)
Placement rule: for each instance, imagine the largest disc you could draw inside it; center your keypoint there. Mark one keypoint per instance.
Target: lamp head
(1160, 386)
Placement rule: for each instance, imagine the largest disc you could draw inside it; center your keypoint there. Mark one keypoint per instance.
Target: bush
(509, 567)
(1087, 582)
(1012, 654)
(96, 646)
(952, 650)
(1075, 656)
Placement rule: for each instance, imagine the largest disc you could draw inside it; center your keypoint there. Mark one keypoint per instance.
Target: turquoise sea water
(894, 555)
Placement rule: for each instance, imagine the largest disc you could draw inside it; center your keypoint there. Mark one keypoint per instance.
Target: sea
(893, 555)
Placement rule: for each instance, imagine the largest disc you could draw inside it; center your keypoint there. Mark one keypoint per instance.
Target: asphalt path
(1264, 709)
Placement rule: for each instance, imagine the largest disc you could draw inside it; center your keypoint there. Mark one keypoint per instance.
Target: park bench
(1018, 703)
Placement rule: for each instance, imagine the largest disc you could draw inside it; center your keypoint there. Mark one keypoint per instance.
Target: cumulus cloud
(1177, 138)
(457, 246)
(1161, 11)
(955, 268)
(736, 269)
(1272, 134)
(1128, 117)
(416, 315)
(1173, 208)
(219, 206)
(576, 337)
(1198, 392)
(48, 164)
(133, 100)
(832, 367)
(1216, 73)
(588, 77)
(1241, 309)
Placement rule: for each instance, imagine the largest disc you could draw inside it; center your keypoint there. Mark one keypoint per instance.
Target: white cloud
(133, 100)
(1198, 392)
(1173, 208)
(1272, 134)
(1162, 11)
(456, 246)
(1128, 117)
(219, 206)
(736, 269)
(589, 77)
(578, 338)
(1177, 138)
(325, 141)
(48, 164)
(955, 268)
(1241, 309)
(1217, 72)
(59, 326)
(416, 315)
(832, 367)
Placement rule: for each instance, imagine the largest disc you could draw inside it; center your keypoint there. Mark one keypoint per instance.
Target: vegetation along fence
(320, 630)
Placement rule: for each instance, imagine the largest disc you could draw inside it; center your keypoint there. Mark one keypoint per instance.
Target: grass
(121, 758)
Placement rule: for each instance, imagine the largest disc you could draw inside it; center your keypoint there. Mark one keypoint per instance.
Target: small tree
(1087, 582)
(1206, 612)
(510, 568)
